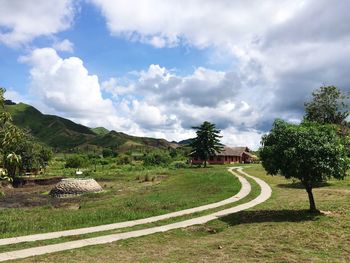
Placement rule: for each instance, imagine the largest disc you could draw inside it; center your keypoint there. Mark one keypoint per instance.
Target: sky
(157, 68)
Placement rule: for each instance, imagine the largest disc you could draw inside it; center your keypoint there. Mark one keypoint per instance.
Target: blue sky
(156, 68)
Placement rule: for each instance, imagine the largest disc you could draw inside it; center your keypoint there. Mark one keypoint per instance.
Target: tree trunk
(205, 163)
(311, 199)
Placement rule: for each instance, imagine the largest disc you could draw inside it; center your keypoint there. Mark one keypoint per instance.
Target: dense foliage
(207, 142)
(309, 152)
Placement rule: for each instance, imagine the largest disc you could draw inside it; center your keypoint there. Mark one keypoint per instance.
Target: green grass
(126, 199)
(279, 230)
(255, 191)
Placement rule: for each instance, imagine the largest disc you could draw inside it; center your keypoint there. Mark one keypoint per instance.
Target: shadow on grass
(299, 185)
(263, 216)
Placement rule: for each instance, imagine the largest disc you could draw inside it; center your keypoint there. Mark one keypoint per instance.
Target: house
(228, 155)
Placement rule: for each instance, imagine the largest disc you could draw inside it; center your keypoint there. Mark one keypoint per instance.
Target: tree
(310, 152)
(10, 137)
(207, 143)
(328, 106)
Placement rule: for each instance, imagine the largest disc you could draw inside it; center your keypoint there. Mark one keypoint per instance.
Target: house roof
(233, 151)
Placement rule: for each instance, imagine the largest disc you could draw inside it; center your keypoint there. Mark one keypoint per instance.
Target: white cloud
(64, 45)
(66, 86)
(22, 21)
(197, 22)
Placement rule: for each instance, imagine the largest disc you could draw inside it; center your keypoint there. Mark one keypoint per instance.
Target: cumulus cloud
(22, 21)
(64, 45)
(66, 86)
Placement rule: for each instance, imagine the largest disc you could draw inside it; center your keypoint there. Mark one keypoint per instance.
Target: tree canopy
(310, 152)
(328, 106)
(207, 143)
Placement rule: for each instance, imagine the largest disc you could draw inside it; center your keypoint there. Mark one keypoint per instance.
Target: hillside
(100, 130)
(63, 134)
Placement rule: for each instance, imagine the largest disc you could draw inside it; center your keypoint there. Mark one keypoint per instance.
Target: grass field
(279, 230)
(128, 195)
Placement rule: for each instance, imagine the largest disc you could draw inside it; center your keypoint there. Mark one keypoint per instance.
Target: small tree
(309, 152)
(75, 161)
(328, 106)
(207, 143)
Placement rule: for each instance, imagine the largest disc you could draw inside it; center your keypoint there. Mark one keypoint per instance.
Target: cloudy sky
(157, 67)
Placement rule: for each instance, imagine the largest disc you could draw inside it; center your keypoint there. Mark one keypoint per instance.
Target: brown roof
(233, 151)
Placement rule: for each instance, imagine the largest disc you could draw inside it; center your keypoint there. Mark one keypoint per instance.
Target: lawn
(279, 230)
(130, 193)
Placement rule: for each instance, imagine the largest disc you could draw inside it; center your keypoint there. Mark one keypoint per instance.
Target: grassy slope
(280, 230)
(126, 199)
(100, 130)
(63, 134)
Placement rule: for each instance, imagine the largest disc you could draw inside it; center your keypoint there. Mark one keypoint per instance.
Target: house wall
(218, 160)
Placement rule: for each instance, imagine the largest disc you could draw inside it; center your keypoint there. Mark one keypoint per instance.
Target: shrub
(124, 159)
(179, 164)
(88, 173)
(156, 159)
(107, 153)
(103, 162)
(75, 161)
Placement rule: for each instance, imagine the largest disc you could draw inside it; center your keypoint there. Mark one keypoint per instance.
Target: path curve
(244, 191)
(35, 251)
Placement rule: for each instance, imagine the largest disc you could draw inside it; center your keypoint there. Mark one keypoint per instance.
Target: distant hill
(63, 134)
(185, 142)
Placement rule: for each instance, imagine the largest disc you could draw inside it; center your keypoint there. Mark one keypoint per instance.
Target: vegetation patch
(126, 199)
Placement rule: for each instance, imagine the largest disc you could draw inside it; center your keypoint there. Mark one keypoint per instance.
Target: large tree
(310, 152)
(329, 105)
(207, 143)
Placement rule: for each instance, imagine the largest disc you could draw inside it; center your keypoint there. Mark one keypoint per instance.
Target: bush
(179, 164)
(107, 153)
(157, 159)
(75, 161)
(124, 159)
(103, 162)
(88, 173)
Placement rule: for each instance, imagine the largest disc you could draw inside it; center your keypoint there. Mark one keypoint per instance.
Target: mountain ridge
(63, 134)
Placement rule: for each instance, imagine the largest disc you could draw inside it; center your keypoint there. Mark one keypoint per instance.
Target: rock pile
(75, 186)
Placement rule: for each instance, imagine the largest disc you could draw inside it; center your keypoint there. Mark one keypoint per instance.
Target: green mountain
(63, 134)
